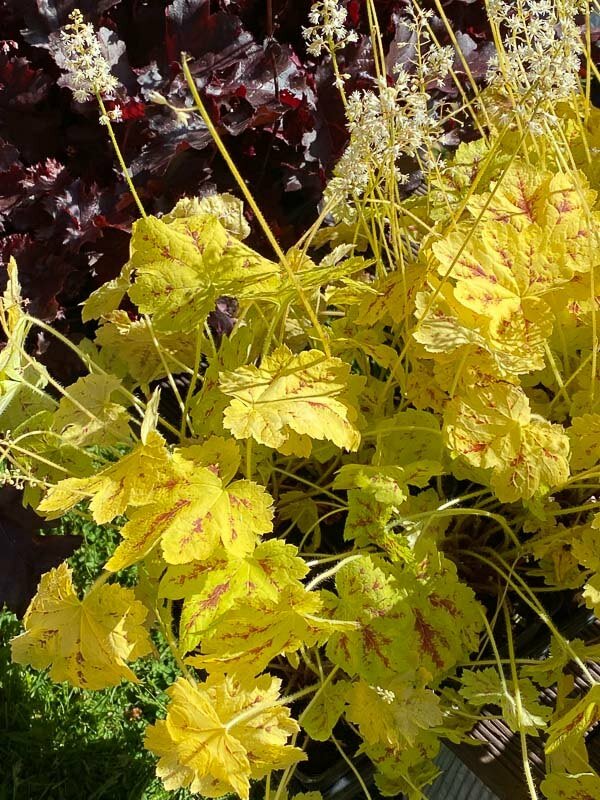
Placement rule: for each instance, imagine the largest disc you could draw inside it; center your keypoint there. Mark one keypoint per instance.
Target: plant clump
(341, 510)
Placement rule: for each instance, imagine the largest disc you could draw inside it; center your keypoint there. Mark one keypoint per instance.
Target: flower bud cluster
(79, 53)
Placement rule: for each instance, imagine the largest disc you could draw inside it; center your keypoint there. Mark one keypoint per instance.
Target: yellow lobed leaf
(22, 379)
(221, 456)
(11, 302)
(127, 482)
(392, 297)
(405, 770)
(182, 267)
(108, 297)
(250, 635)
(227, 208)
(221, 733)
(85, 642)
(483, 687)
(321, 717)
(308, 796)
(584, 435)
(128, 348)
(150, 420)
(493, 428)
(291, 399)
(192, 512)
(413, 441)
(394, 715)
(500, 275)
(213, 586)
(86, 415)
(591, 594)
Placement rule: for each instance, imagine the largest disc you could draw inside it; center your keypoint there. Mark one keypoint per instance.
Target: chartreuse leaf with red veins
(446, 617)
(220, 734)
(129, 348)
(483, 687)
(558, 203)
(250, 635)
(578, 786)
(213, 586)
(500, 277)
(382, 643)
(291, 399)
(368, 522)
(22, 379)
(321, 717)
(88, 415)
(182, 266)
(221, 456)
(405, 770)
(395, 715)
(493, 428)
(374, 494)
(390, 297)
(85, 642)
(584, 435)
(193, 511)
(127, 482)
(567, 732)
(385, 484)
(411, 440)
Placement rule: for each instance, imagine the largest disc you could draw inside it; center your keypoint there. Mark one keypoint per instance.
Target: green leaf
(322, 716)
(382, 644)
(562, 786)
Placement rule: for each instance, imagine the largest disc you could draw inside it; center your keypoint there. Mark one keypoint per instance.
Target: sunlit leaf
(291, 399)
(86, 642)
(203, 747)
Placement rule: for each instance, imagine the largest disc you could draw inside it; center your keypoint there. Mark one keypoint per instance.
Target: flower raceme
(78, 52)
(328, 29)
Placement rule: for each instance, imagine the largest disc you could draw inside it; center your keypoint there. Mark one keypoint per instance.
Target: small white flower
(115, 114)
(328, 27)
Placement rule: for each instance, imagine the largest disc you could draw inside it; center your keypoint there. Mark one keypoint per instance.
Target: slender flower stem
(117, 149)
(254, 206)
(519, 704)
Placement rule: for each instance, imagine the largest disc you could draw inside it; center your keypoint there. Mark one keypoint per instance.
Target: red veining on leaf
(427, 635)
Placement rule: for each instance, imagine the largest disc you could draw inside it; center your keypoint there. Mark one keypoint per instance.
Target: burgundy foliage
(64, 208)
(25, 554)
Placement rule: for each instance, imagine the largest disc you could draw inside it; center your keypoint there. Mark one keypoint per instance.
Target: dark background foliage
(65, 211)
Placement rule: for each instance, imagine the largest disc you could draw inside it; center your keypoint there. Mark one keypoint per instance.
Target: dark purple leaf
(25, 554)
